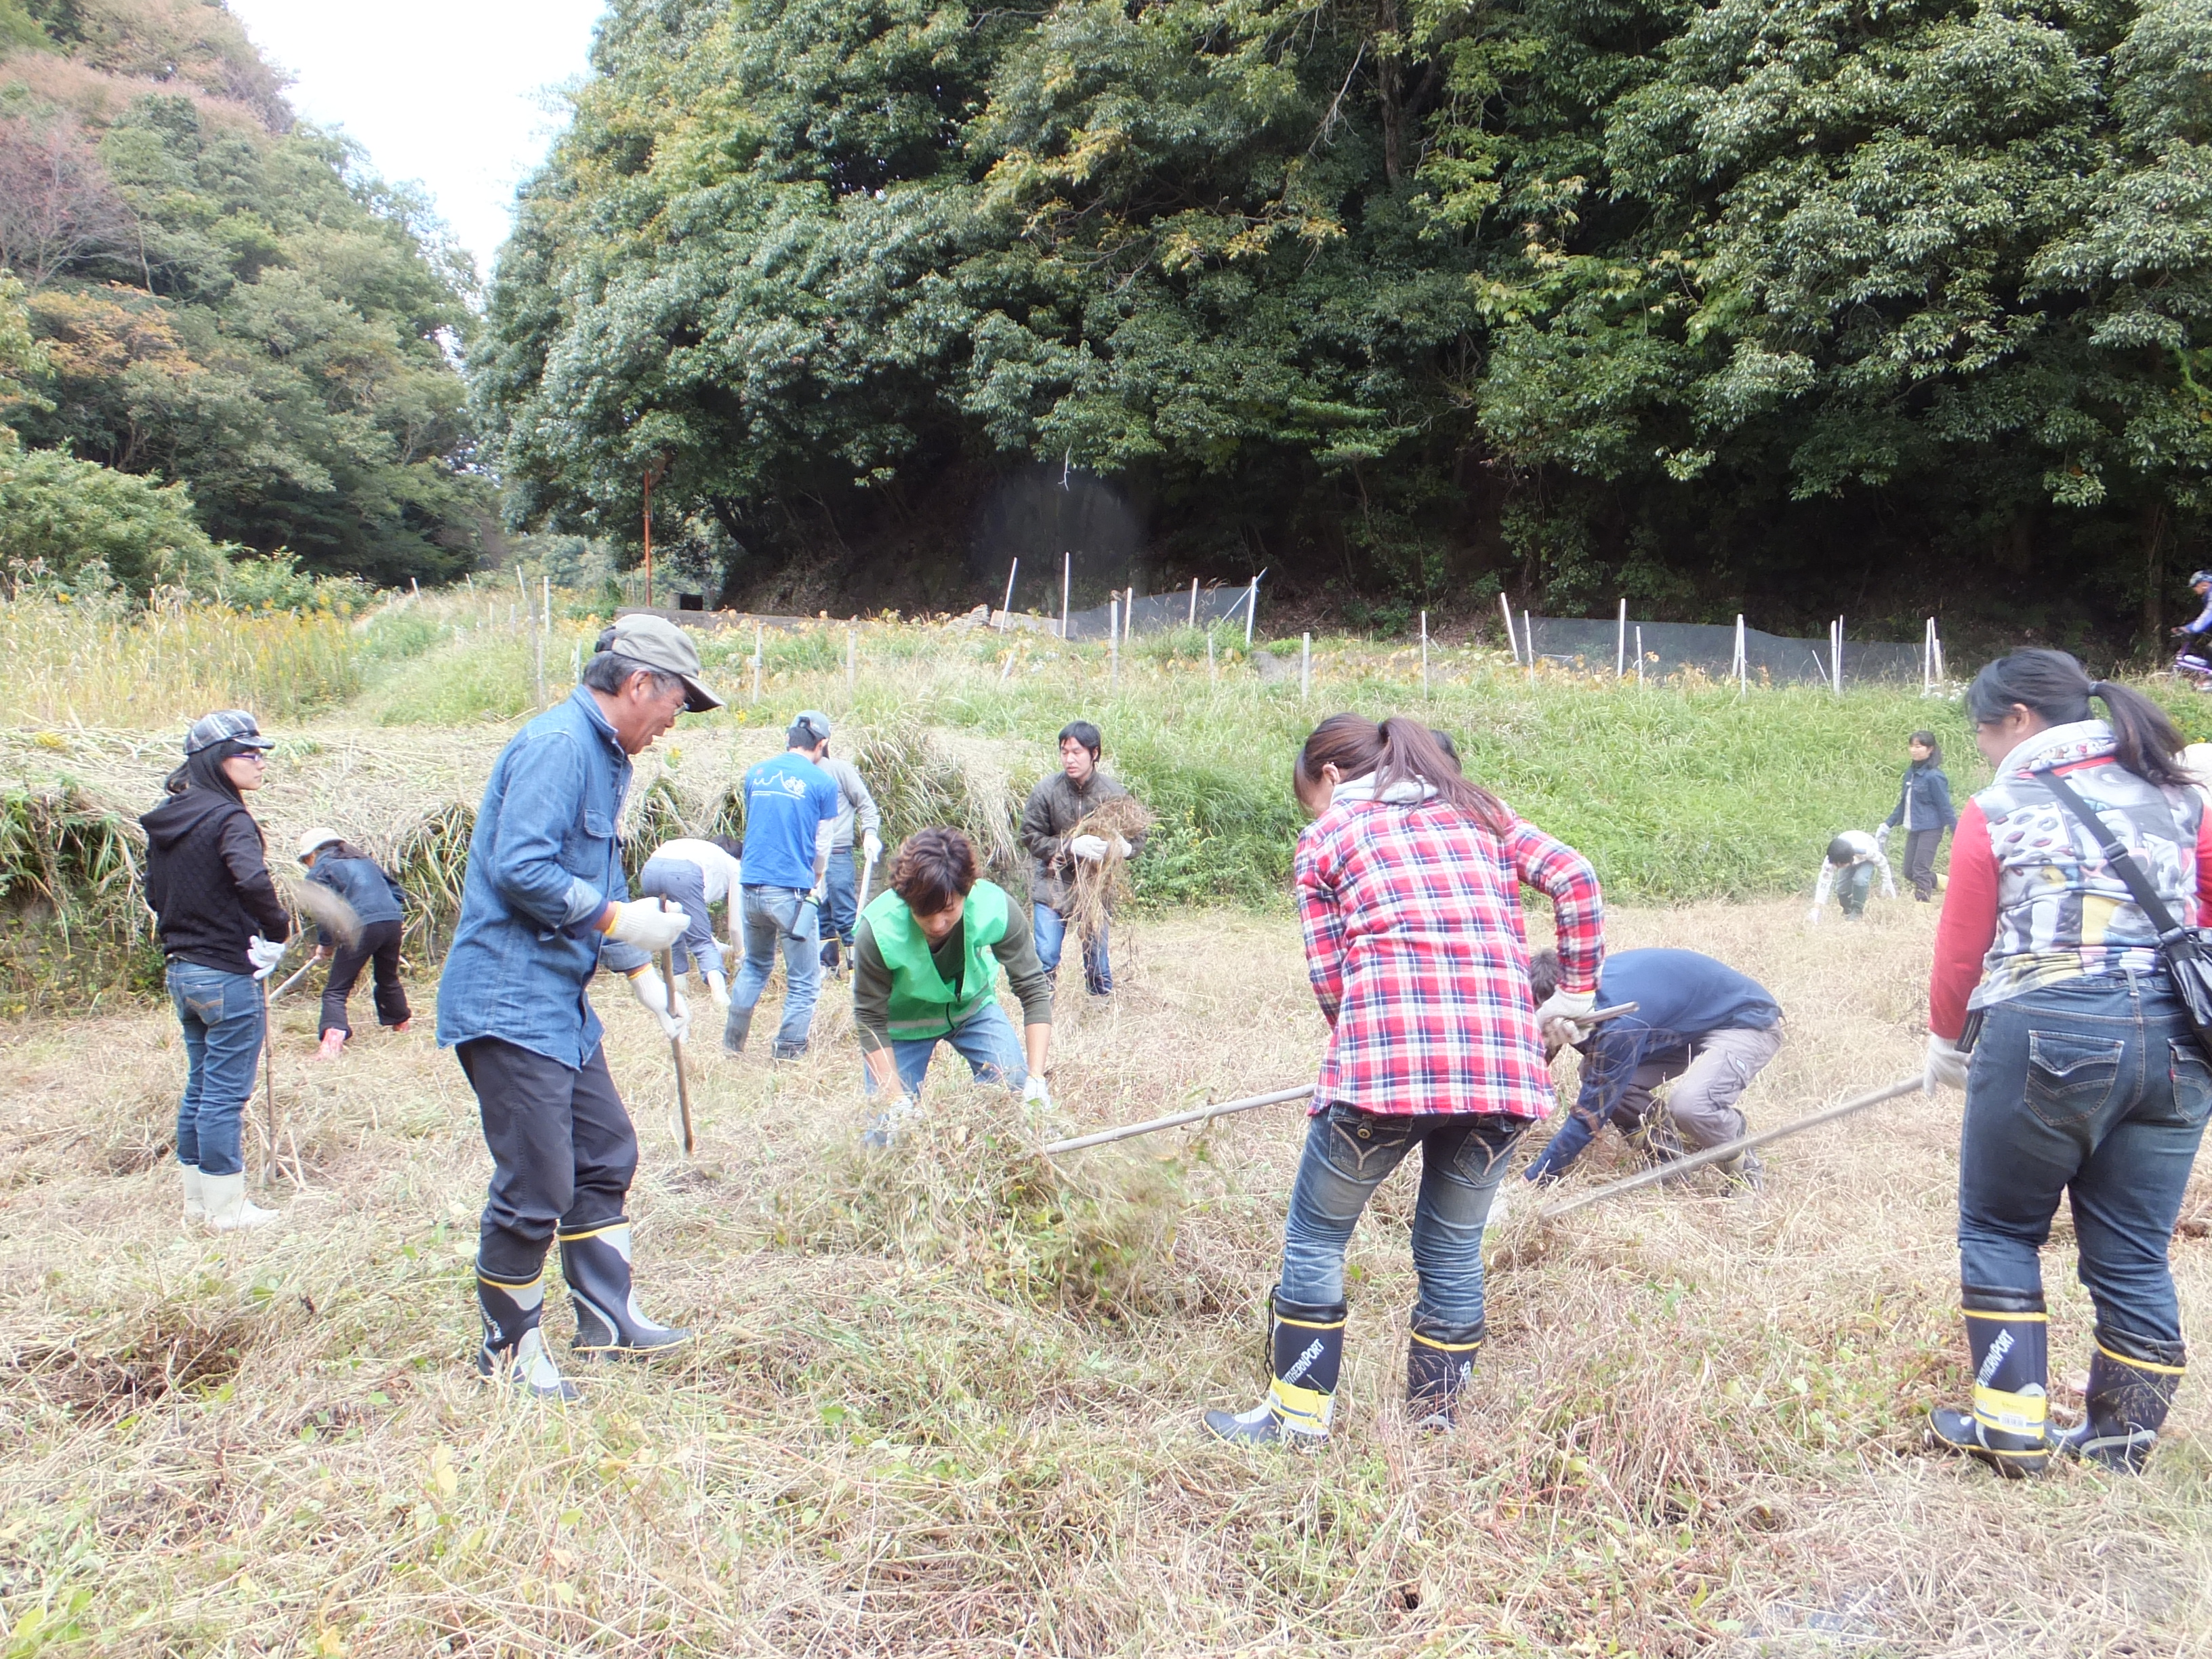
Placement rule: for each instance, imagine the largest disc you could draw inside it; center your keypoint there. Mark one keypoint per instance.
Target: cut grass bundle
(1096, 885)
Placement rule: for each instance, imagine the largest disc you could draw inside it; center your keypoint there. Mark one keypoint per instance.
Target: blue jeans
(2095, 1087)
(222, 1017)
(1052, 936)
(838, 914)
(1348, 1153)
(986, 1040)
(773, 916)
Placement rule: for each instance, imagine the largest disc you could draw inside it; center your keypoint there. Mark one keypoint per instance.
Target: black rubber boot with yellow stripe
(1305, 1351)
(514, 1348)
(595, 1260)
(2009, 1425)
(1439, 1363)
(2132, 1381)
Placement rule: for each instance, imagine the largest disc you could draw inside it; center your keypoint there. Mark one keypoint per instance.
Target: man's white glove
(1948, 1064)
(651, 991)
(1122, 846)
(1088, 849)
(263, 955)
(1035, 1094)
(718, 991)
(1562, 1006)
(871, 846)
(646, 924)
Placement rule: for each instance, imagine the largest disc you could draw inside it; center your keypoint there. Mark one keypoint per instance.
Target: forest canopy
(226, 307)
(1811, 306)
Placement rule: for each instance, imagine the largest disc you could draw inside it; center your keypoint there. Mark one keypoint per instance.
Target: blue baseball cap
(226, 726)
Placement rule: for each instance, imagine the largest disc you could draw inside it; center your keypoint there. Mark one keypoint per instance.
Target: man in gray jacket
(1058, 803)
(856, 810)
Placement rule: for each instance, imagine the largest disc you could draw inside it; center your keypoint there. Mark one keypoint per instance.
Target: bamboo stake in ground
(1673, 1167)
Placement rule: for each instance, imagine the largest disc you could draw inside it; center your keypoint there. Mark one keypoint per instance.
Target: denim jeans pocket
(2193, 1079)
(1364, 1146)
(2071, 1077)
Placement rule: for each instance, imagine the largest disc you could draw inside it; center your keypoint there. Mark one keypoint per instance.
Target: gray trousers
(1719, 1067)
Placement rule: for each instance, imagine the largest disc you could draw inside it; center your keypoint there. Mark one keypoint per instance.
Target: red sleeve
(1968, 924)
(1321, 922)
(1566, 878)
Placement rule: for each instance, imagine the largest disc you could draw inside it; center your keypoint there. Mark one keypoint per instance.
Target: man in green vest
(926, 961)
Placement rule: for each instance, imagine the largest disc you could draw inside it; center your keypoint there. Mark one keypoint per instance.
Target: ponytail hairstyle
(1927, 740)
(2054, 685)
(1398, 751)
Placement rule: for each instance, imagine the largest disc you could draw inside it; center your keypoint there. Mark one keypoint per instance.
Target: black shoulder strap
(2124, 864)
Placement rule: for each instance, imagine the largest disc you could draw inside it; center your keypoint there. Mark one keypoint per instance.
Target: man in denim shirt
(546, 904)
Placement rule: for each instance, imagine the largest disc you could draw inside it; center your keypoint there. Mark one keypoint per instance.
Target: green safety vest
(923, 1004)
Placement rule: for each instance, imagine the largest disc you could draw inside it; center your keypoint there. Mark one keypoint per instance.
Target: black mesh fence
(1709, 649)
(1161, 613)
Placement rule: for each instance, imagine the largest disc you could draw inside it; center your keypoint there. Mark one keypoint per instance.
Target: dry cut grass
(944, 1399)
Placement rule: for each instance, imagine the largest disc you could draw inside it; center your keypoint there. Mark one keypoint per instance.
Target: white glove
(718, 991)
(263, 955)
(1948, 1064)
(651, 991)
(885, 1128)
(1562, 1006)
(1088, 849)
(652, 925)
(1122, 846)
(1035, 1094)
(871, 846)
(1882, 835)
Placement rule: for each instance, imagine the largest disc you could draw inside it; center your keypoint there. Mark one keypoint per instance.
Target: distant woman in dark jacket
(221, 928)
(379, 904)
(1924, 807)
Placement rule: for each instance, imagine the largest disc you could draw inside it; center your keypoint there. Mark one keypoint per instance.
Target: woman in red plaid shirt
(1409, 883)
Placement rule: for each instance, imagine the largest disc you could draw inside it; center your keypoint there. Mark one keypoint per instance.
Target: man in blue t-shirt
(790, 813)
(1697, 1023)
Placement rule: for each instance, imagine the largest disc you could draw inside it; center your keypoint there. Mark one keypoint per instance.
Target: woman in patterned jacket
(2050, 1005)
(1409, 884)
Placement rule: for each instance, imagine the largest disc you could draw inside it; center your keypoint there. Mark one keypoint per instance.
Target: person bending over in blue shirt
(545, 905)
(791, 816)
(1697, 1022)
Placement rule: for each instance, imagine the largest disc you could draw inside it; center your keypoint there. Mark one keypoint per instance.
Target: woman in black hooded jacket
(221, 926)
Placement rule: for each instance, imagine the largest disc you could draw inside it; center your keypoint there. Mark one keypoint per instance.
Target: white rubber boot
(229, 1209)
(195, 1199)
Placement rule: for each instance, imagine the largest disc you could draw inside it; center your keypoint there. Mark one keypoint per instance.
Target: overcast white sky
(451, 93)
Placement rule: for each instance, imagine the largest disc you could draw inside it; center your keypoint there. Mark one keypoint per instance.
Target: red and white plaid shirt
(1419, 953)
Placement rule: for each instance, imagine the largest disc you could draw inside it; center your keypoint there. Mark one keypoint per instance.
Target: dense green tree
(229, 300)
(1819, 304)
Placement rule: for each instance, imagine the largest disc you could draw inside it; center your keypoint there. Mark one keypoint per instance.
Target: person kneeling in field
(1409, 885)
(926, 961)
(1697, 1022)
